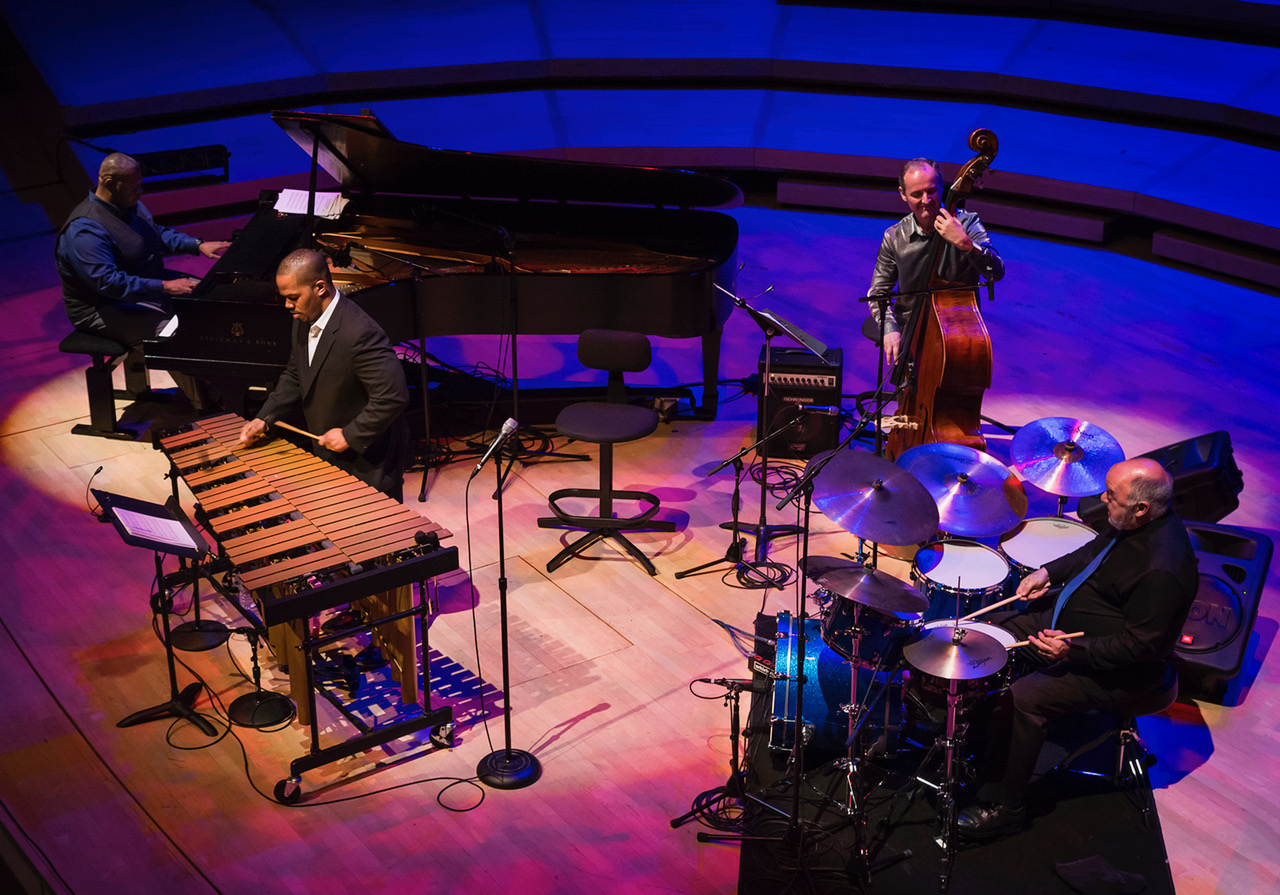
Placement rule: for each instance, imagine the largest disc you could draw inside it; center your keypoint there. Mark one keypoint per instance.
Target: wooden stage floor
(602, 654)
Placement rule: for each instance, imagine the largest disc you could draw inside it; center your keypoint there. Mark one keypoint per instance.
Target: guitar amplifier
(803, 395)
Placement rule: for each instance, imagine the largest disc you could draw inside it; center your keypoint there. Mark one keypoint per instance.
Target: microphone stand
(771, 324)
(737, 548)
(506, 768)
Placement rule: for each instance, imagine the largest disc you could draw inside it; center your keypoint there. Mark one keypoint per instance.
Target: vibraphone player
(344, 376)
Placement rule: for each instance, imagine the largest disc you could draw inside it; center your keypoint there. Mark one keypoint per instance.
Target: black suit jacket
(355, 383)
(1132, 608)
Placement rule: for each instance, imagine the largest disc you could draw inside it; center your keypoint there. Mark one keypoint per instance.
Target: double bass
(945, 364)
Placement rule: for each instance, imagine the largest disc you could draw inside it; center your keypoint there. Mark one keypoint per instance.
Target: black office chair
(607, 423)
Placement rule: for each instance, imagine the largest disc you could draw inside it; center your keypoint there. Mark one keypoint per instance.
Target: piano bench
(106, 354)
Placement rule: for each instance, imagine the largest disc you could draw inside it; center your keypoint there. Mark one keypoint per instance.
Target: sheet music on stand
(163, 528)
(796, 333)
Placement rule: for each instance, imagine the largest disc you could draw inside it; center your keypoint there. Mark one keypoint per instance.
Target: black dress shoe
(987, 821)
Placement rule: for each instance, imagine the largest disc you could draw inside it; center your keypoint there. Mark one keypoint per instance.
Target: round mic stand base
(509, 769)
(198, 636)
(261, 708)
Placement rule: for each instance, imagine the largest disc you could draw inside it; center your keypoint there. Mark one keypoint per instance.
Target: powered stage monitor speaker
(1233, 568)
(805, 392)
(1206, 480)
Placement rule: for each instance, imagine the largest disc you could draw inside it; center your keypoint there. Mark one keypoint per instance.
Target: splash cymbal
(873, 498)
(977, 495)
(1065, 456)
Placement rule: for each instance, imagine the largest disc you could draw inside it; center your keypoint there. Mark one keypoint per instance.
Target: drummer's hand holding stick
(1051, 645)
(1034, 585)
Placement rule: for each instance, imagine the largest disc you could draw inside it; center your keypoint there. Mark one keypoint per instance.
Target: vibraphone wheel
(289, 791)
(442, 736)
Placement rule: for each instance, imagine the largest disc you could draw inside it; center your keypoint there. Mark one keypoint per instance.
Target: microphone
(731, 684)
(508, 428)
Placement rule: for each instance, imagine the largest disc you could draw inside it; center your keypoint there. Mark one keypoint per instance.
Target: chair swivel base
(601, 527)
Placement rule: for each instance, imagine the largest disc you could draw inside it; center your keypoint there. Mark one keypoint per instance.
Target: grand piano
(442, 242)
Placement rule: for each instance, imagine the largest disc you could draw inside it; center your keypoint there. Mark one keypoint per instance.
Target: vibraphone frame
(299, 532)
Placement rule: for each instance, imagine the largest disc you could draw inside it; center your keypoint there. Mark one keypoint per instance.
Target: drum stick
(1003, 602)
(1056, 637)
(296, 429)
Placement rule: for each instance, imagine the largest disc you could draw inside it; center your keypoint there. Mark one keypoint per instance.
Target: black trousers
(1020, 714)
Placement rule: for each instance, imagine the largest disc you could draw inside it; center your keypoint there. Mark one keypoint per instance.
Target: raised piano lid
(360, 153)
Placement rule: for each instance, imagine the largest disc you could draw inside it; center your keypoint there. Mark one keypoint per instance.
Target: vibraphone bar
(304, 537)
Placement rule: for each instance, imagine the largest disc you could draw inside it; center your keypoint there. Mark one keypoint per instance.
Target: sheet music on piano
(328, 205)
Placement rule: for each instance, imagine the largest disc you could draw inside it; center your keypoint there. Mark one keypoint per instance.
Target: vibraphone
(304, 537)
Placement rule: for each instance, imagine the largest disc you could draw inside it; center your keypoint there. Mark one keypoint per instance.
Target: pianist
(343, 375)
(110, 257)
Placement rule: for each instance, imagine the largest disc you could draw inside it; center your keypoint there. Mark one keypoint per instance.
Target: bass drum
(828, 682)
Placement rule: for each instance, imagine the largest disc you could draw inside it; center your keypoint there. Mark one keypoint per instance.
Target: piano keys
(439, 242)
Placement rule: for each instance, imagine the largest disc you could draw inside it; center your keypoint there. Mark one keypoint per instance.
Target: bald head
(1138, 491)
(119, 180)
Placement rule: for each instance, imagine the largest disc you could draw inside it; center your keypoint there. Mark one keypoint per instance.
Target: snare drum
(1041, 540)
(945, 570)
(867, 637)
(933, 689)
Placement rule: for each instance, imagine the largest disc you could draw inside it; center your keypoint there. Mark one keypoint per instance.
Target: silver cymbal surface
(1065, 456)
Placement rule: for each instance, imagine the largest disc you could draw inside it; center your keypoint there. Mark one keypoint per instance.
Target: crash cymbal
(977, 495)
(870, 587)
(1063, 456)
(937, 652)
(872, 498)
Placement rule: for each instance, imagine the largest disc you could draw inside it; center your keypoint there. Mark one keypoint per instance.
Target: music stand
(165, 530)
(772, 324)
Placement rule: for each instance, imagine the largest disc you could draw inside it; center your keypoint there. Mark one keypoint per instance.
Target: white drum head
(961, 565)
(1041, 540)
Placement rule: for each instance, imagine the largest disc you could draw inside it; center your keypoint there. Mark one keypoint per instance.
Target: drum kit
(871, 626)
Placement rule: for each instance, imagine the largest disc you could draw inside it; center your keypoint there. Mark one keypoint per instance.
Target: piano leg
(710, 376)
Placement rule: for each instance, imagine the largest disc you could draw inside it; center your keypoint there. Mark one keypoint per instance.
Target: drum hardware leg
(946, 794)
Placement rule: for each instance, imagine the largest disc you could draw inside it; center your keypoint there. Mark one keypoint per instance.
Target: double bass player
(907, 250)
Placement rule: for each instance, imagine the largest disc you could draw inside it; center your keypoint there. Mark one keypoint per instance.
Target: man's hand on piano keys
(180, 286)
(254, 430)
(334, 441)
(213, 249)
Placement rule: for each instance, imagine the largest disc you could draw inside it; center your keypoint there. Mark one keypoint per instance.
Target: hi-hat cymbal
(1064, 456)
(872, 498)
(870, 587)
(937, 652)
(977, 495)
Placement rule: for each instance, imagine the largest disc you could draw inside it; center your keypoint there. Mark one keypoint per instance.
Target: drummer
(1130, 606)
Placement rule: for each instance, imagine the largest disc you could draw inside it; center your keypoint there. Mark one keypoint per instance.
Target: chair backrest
(616, 352)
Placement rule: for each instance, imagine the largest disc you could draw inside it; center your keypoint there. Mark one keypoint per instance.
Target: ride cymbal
(872, 498)
(977, 495)
(1065, 456)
